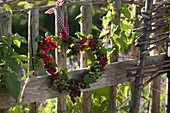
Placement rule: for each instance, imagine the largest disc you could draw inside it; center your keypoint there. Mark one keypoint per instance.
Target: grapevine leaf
(101, 92)
(12, 64)
(95, 28)
(7, 7)
(119, 98)
(91, 59)
(13, 85)
(16, 109)
(23, 57)
(17, 43)
(63, 75)
(19, 57)
(19, 38)
(21, 3)
(126, 12)
(109, 49)
(81, 35)
(103, 33)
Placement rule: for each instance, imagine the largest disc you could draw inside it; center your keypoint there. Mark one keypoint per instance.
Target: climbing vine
(10, 63)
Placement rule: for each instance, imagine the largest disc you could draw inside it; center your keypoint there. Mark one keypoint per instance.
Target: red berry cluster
(43, 52)
(88, 43)
(103, 61)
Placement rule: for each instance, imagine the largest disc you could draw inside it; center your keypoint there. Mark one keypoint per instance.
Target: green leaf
(103, 33)
(91, 60)
(16, 109)
(21, 57)
(101, 92)
(110, 111)
(19, 38)
(126, 90)
(119, 98)
(81, 35)
(21, 3)
(107, 19)
(126, 27)
(102, 50)
(30, 73)
(126, 12)
(109, 49)
(63, 74)
(89, 80)
(13, 85)
(12, 64)
(17, 43)
(7, 7)
(125, 108)
(51, 2)
(95, 28)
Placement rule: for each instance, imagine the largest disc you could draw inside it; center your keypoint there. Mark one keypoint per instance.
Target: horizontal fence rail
(38, 88)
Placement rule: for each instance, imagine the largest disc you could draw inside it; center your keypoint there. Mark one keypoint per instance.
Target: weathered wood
(115, 55)
(39, 88)
(135, 50)
(86, 28)
(135, 103)
(155, 87)
(61, 58)
(155, 84)
(5, 30)
(168, 76)
(33, 34)
(6, 24)
(35, 89)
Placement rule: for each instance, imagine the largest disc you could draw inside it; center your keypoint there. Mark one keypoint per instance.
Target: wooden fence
(36, 89)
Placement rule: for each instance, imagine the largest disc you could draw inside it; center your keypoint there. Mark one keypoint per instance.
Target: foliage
(10, 63)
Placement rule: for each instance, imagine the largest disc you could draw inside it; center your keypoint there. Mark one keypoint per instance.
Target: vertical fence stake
(33, 34)
(5, 30)
(135, 50)
(155, 85)
(138, 81)
(86, 28)
(115, 54)
(61, 59)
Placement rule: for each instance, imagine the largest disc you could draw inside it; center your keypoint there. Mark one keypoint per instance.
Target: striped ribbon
(58, 18)
(67, 24)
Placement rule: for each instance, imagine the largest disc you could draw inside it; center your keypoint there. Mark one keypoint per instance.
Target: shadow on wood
(39, 88)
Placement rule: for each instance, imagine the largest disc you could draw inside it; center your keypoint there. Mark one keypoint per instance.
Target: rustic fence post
(5, 30)
(135, 50)
(33, 34)
(86, 28)
(155, 84)
(115, 54)
(135, 103)
(61, 59)
(168, 76)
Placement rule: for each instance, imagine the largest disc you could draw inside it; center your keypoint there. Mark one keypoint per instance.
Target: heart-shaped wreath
(82, 43)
